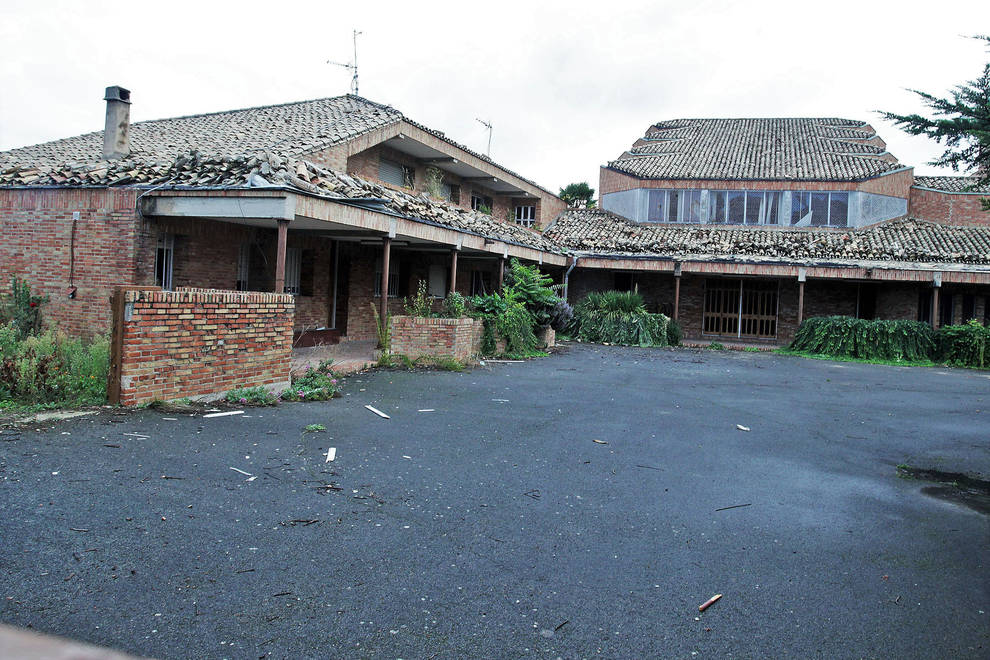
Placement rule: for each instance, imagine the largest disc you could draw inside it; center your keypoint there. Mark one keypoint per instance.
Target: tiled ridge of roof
(953, 184)
(905, 240)
(291, 129)
(791, 149)
(267, 168)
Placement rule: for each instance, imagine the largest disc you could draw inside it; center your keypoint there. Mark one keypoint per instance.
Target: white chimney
(115, 136)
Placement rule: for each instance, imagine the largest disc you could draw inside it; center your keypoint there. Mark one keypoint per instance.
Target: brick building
(332, 200)
(740, 228)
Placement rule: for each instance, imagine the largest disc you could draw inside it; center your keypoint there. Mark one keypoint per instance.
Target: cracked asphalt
(494, 526)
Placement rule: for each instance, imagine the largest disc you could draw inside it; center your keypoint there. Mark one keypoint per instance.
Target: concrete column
(283, 232)
(453, 270)
(800, 303)
(677, 291)
(501, 272)
(386, 254)
(935, 308)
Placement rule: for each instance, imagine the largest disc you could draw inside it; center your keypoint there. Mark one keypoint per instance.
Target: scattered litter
(501, 400)
(166, 476)
(305, 522)
(137, 435)
(506, 361)
(742, 428)
(282, 593)
(323, 490)
(377, 412)
(734, 506)
(535, 494)
(66, 433)
(110, 444)
(247, 474)
(252, 478)
(225, 414)
(78, 529)
(599, 442)
(561, 625)
(426, 410)
(245, 570)
(171, 419)
(649, 467)
(705, 605)
(331, 454)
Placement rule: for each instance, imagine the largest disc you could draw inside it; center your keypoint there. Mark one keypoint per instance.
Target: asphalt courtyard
(582, 505)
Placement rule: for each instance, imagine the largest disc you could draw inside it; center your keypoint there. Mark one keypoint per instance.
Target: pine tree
(961, 122)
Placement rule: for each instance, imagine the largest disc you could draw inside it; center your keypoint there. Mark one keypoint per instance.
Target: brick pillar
(453, 270)
(386, 253)
(283, 231)
(935, 308)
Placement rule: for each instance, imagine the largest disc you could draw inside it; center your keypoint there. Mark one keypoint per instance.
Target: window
(737, 207)
(395, 173)
(838, 209)
(525, 215)
(437, 285)
(293, 270)
(451, 192)
(800, 209)
(754, 204)
(657, 206)
(481, 203)
(737, 308)
(163, 261)
(673, 205)
(748, 207)
(717, 202)
(820, 209)
(393, 279)
(243, 266)
(691, 206)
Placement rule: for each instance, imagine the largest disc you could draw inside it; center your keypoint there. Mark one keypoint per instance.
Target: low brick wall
(198, 343)
(415, 336)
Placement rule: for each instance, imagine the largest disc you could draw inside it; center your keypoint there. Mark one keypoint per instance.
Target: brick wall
(201, 343)
(415, 336)
(37, 246)
(948, 208)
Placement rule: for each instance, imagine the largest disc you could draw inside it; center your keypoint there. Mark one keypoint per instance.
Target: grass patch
(314, 428)
(251, 396)
(715, 346)
(317, 384)
(844, 358)
(439, 362)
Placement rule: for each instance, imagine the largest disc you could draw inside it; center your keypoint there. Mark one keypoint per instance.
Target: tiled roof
(825, 149)
(907, 240)
(953, 184)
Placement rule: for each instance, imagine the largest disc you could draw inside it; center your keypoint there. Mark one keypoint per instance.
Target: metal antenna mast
(351, 66)
(488, 125)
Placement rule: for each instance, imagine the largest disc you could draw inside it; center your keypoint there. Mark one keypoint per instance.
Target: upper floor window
(820, 209)
(481, 203)
(395, 173)
(451, 192)
(525, 215)
(749, 207)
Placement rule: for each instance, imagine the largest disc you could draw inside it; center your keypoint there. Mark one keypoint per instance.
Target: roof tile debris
(807, 149)
(954, 184)
(906, 240)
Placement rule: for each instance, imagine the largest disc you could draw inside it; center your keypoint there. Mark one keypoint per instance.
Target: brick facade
(201, 344)
(415, 336)
(38, 246)
(948, 208)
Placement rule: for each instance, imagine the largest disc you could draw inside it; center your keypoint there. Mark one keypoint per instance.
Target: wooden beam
(935, 309)
(800, 303)
(386, 254)
(453, 270)
(283, 231)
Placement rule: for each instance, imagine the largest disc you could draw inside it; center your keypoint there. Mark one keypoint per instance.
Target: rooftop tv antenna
(351, 66)
(488, 125)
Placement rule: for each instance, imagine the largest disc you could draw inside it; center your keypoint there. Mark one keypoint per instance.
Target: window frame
(165, 260)
(528, 216)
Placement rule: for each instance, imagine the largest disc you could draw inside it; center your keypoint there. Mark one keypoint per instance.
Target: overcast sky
(567, 86)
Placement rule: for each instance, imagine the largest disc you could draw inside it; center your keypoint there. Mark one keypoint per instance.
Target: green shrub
(22, 310)
(963, 345)
(715, 346)
(51, 368)
(317, 384)
(454, 306)
(421, 304)
(844, 336)
(674, 333)
(251, 396)
(617, 317)
(506, 317)
(532, 288)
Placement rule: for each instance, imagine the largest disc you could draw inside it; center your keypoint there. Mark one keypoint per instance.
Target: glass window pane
(839, 209)
(716, 207)
(800, 208)
(737, 205)
(692, 206)
(658, 204)
(673, 205)
(754, 205)
(771, 208)
(819, 209)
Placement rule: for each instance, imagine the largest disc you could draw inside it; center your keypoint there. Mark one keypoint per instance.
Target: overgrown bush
(317, 384)
(616, 317)
(844, 336)
(22, 310)
(454, 306)
(561, 316)
(532, 289)
(51, 368)
(251, 396)
(963, 345)
(421, 304)
(506, 317)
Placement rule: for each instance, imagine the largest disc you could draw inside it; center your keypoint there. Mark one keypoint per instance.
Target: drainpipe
(567, 275)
